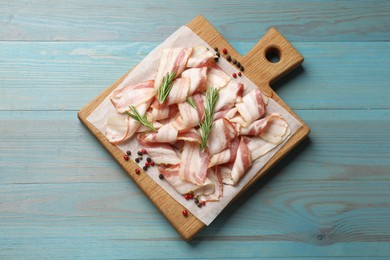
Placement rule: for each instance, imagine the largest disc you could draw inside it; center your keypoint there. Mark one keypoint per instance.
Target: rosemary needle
(212, 95)
(165, 87)
(133, 113)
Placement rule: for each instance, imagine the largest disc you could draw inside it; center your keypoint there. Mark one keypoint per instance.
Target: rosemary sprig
(212, 95)
(191, 102)
(133, 113)
(165, 87)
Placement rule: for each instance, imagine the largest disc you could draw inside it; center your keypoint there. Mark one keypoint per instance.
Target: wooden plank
(333, 76)
(259, 70)
(121, 20)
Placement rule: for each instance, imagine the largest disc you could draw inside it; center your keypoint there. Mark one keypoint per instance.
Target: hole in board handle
(272, 54)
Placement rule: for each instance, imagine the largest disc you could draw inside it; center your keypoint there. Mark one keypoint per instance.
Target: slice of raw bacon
(217, 78)
(229, 95)
(271, 128)
(241, 164)
(171, 174)
(190, 117)
(160, 153)
(162, 112)
(190, 136)
(172, 60)
(166, 134)
(215, 176)
(252, 106)
(120, 127)
(179, 91)
(194, 162)
(198, 77)
(226, 156)
(228, 114)
(200, 56)
(222, 132)
(133, 95)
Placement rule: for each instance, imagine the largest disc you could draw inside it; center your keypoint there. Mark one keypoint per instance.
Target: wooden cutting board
(260, 69)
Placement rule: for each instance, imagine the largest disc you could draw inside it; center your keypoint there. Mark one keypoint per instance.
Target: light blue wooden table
(63, 196)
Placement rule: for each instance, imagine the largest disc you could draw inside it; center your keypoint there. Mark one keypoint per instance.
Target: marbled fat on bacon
(163, 112)
(200, 57)
(222, 132)
(228, 114)
(172, 60)
(121, 127)
(229, 95)
(190, 136)
(161, 153)
(214, 176)
(133, 95)
(190, 117)
(226, 156)
(272, 127)
(198, 77)
(166, 134)
(194, 162)
(252, 106)
(217, 78)
(171, 174)
(241, 164)
(179, 91)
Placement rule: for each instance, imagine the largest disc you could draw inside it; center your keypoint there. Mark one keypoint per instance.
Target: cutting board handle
(275, 57)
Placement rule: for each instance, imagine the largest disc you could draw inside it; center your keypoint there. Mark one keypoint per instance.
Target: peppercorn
(234, 61)
(137, 160)
(143, 151)
(234, 75)
(137, 171)
(145, 168)
(128, 153)
(147, 164)
(199, 204)
(216, 59)
(149, 159)
(203, 202)
(161, 176)
(126, 157)
(140, 158)
(216, 49)
(229, 58)
(139, 153)
(185, 213)
(238, 64)
(242, 68)
(239, 74)
(218, 54)
(152, 163)
(196, 200)
(224, 51)
(187, 196)
(191, 196)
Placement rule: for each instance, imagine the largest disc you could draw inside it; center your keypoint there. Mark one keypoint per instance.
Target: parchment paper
(146, 70)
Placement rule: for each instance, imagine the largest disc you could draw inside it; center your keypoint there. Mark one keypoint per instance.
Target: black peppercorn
(238, 64)
(234, 61)
(199, 204)
(229, 58)
(140, 158)
(242, 68)
(145, 168)
(139, 153)
(196, 200)
(218, 55)
(148, 159)
(128, 153)
(216, 49)
(161, 176)
(137, 160)
(216, 59)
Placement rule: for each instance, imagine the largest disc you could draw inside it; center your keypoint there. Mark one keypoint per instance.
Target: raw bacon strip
(159, 152)
(163, 112)
(241, 164)
(222, 132)
(229, 95)
(172, 60)
(199, 57)
(228, 114)
(133, 95)
(194, 164)
(272, 128)
(190, 117)
(252, 106)
(198, 77)
(121, 127)
(143, 128)
(217, 77)
(179, 91)
(216, 177)
(171, 174)
(166, 134)
(190, 136)
(226, 156)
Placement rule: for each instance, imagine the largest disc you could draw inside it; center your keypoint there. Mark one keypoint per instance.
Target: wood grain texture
(62, 196)
(259, 70)
(121, 20)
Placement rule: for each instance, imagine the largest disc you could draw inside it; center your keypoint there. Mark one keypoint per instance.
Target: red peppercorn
(137, 171)
(191, 196)
(234, 75)
(126, 157)
(224, 51)
(203, 202)
(185, 213)
(152, 163)
(187, 196)
(147, 164)
(239, 74)
(143, 151)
